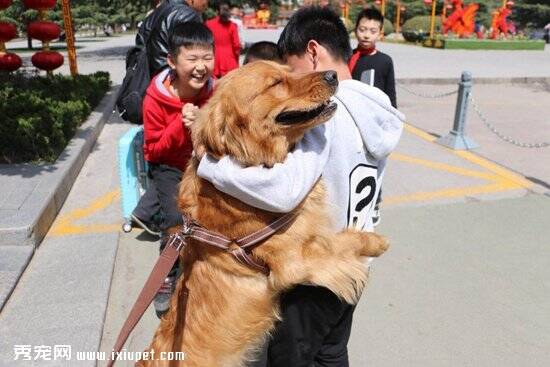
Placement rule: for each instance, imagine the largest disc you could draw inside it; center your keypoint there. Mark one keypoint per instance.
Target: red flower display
(39, 4)
(10, 62)
(43, 30)
(7, 31)
(47, 60)
(5, 3)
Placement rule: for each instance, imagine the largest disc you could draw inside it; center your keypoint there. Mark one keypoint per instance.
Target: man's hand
(189, 113)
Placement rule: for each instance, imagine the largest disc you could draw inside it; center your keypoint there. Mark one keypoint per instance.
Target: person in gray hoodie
(349, 152)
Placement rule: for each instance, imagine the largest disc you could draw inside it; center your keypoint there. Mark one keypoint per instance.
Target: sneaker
(150, 228)
(376, 216)
(162, 298)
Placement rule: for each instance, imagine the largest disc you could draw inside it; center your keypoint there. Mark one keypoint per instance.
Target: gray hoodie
(349, 151)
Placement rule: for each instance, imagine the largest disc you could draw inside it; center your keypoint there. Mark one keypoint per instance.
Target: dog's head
(259, 111)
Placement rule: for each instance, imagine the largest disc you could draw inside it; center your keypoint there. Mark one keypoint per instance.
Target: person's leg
(334, 351)
(308, 316)
(147, 211)
(166, 180)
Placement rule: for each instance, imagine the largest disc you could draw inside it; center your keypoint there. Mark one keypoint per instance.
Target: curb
(52, 191)
(481, 80)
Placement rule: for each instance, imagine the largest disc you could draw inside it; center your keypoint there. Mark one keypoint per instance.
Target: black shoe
(150, 228)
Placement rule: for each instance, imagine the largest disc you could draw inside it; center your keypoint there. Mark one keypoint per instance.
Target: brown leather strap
(267, 231)
(160, 271)
(170, 254)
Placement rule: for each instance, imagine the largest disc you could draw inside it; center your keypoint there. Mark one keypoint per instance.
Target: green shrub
(41, 114)
(418, 28)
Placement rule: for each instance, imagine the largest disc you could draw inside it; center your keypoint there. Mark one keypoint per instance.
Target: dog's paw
(375, 245)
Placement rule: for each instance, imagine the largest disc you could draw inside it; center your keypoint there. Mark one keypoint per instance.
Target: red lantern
(427, 2)
(5, 3)
(10, 62)
(43, 31)
(378, 2)
(7, 31)
(47, 60)
(39, 4)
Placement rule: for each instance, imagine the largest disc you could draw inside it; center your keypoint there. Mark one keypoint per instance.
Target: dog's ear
(219, 128)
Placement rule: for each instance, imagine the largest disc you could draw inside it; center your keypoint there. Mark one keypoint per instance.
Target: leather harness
(240, 249)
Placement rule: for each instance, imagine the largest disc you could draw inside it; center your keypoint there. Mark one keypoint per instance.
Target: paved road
(464, 284)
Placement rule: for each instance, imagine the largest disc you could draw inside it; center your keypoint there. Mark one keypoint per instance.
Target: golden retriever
(256, 115)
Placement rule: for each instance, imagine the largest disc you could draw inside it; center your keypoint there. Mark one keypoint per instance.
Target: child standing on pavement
(170, 105)
(366, 57)
(374, 67)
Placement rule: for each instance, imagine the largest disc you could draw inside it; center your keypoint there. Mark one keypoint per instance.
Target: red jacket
(166, 139)
(227, 46)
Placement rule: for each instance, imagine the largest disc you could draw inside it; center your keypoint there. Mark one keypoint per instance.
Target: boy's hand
(189, 114)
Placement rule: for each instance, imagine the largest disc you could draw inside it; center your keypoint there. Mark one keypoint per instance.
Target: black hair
(322, 25)
(263, 50)
(189, 34)
(223, 2)
(370, 14)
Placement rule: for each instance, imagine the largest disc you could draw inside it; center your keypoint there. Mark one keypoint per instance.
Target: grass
(475, 44)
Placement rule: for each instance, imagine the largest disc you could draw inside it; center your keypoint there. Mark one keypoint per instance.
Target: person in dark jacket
(153, 34)
(155, 29)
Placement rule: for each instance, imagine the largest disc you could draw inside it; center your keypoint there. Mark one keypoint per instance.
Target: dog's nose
(331, 77)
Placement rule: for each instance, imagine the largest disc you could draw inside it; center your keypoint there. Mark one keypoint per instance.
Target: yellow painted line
(495, 168)
(64, 224)
(420, 133)
(473, 158)
(451, 193)
(444, 167)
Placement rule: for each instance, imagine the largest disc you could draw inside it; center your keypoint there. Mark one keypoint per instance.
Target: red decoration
(39, 4)
(47, 60)
(427, 2)
(5, 3)
(10, 62)
(43, 31)
(7, 31)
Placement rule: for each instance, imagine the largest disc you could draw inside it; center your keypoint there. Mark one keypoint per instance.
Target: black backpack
(129, 101)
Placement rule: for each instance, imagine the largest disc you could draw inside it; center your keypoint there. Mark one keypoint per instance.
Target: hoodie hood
(162, 95)
(366, 105)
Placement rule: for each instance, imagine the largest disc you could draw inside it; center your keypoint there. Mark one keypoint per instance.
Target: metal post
(457, 139)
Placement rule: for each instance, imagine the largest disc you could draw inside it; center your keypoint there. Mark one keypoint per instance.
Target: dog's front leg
(332, 261)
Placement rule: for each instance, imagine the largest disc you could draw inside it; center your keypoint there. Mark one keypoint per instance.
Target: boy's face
(193, 65)
(235, 12)
(367, 32)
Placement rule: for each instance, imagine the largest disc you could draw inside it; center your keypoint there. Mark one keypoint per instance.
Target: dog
(256, 116)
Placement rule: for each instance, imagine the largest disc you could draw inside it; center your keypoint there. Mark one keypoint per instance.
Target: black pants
(148, 207)
(314, 331)
(166, 180)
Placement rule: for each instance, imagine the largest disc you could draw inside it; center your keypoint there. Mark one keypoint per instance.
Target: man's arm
(280, 188)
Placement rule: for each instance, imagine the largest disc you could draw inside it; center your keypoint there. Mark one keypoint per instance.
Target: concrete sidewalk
(464, 283)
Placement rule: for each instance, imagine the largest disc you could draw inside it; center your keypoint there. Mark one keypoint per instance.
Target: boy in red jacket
(226, 39)
(170, 103)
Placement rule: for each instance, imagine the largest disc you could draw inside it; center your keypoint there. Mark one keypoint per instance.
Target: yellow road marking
(64, 224)
(500, 178)
(473, 158)
(443, 167)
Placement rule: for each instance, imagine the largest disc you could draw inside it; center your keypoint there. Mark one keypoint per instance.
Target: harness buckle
(177, 241)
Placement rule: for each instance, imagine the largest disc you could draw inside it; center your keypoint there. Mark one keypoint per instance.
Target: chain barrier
(424, 95)
(506, 138)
